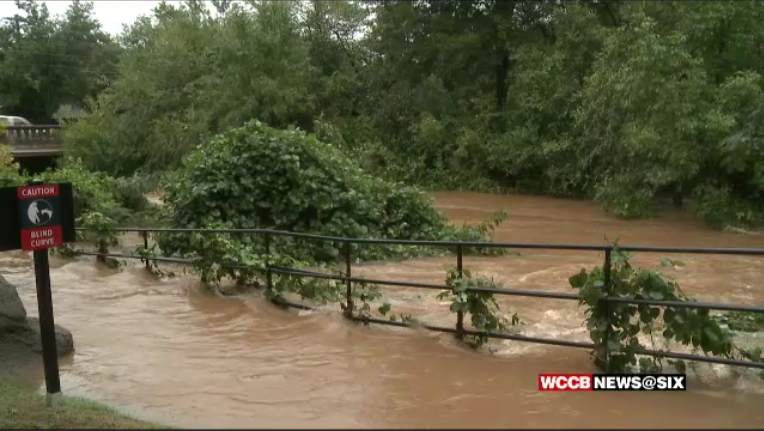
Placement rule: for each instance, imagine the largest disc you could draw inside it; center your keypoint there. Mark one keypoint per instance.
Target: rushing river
(172, 353)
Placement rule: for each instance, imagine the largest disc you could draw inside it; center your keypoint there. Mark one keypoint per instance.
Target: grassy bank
(23, 408)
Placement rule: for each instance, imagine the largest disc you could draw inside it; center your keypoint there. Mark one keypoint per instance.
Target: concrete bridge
(36, 148)
(33, 141)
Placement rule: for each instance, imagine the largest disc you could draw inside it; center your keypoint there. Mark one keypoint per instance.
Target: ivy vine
(615, 327)
(100, 229)
(148, 254)
(480, 306)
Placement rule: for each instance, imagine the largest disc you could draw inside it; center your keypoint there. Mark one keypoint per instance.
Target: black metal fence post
(348, 282)
(268, 275)
(145, 236)
(459, 313)
(605, 306)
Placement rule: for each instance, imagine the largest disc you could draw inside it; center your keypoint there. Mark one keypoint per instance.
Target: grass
(23, 408)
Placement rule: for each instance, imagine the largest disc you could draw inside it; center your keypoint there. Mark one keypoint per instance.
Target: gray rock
(16, 329)
(64, 338)
(12, 311)
(27, 337)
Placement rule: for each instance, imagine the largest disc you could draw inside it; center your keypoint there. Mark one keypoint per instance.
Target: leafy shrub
(118, 198)
(100, 229)
(615, 327)
(481, 306)
(93, 191)
(259, 177)
(9, 169)
(719, 208)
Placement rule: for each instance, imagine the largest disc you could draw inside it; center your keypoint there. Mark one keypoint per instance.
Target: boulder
(64, 338)
(27, 337)
(18, 330)
(12, 311)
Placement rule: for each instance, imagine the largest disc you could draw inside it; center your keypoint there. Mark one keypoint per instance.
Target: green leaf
(656, 295)
(579, 280)
(384, 308)
(614, 346)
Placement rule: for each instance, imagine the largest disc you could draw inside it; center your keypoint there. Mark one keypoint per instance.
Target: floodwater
(169, 352)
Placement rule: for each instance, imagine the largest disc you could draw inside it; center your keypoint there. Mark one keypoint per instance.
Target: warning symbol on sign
(40, 212)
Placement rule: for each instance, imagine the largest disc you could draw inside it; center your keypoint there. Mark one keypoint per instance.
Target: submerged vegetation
(259, 177)
(619, 330)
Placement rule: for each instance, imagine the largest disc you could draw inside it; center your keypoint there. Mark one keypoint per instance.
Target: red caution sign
(39, 217)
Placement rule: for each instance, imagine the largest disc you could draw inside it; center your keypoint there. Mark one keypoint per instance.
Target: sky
(111, 13)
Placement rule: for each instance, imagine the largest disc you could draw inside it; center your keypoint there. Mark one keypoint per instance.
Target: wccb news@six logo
(612, 382)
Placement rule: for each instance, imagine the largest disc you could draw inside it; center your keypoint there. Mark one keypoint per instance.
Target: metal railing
(459, 247)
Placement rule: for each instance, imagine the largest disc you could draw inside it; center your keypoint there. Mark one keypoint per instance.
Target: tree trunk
(502, 73)
(678, 199)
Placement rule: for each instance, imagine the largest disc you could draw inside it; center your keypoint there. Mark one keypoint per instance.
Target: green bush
(719, 208)
(93, 191)
(615, 328)
(121, 199)
(9, 169)
(259, 177)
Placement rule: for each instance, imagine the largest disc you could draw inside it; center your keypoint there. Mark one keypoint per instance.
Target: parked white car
(10, 121)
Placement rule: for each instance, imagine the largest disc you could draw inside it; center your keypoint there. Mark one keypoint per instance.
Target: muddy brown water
(167, 351)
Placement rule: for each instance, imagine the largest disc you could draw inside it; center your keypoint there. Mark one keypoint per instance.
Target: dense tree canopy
(627, 103)
(49, 62)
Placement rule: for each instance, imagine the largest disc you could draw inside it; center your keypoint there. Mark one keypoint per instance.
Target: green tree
(642, 117)
(46, 61)
(189, 74)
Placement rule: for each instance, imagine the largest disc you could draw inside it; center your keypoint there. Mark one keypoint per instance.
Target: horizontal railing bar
(131, 256)
(522, 292)
(179, 260)
(275, 268)
(292, 304)
(687, 304)
(433, 286)
(706, 359)
(476, 244)
(35, 127)
(512, 292)
(361, 280)
(565, 343)
(513, 337)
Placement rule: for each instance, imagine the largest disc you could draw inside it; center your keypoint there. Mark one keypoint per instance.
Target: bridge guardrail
(459, 246)
(32, 133)
(30, 138)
